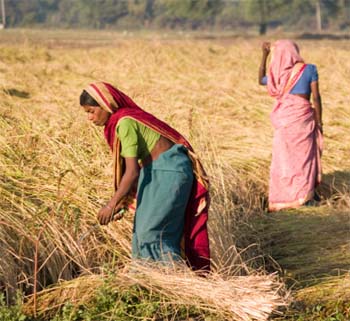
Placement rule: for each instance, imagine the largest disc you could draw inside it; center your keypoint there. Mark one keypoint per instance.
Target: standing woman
(172, 197)
(297, 143)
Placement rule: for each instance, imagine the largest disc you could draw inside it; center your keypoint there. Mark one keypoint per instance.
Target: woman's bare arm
(130, 176)
(317, 104)
(265, 53)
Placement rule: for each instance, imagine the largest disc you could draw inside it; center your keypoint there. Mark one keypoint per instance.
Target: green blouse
(137, 140)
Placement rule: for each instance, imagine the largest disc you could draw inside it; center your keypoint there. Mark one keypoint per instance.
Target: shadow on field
(334, 185)
(307, 244)
(17, 93)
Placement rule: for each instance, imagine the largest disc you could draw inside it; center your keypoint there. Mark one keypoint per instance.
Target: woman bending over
(172, 189)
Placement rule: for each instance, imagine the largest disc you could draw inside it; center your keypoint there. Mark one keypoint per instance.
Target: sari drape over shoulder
(297, 144)
(196, 241)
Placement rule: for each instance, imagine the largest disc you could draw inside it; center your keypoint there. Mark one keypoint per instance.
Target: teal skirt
(163, 191)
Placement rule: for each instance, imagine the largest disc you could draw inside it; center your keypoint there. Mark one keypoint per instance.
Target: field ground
(56, 167)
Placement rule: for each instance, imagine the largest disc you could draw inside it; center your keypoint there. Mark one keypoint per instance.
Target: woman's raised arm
(265, 53)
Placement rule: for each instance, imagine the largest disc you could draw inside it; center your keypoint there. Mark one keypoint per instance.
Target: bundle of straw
(243, 298)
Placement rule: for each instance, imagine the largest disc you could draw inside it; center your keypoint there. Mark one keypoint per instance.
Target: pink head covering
(285, 54)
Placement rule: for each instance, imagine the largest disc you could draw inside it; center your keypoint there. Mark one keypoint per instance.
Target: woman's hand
(110, 213)
(105, 215)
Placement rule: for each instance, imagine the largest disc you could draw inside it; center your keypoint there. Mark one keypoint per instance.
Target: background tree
(295, 15)
(265, 12)
(315, 15)
(142, 11)
(189, 13)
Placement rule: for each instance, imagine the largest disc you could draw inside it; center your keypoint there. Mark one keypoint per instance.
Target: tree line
(291, 15)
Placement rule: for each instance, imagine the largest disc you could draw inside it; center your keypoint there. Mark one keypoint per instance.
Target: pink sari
(297, 144)
(195, 239)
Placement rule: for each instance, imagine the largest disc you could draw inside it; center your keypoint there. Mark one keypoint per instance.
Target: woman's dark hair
(87, 100)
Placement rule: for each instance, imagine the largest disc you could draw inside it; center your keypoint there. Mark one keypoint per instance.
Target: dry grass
(235, 298)
(55, 168)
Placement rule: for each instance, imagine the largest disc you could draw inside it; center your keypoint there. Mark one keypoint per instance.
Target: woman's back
(303, 85)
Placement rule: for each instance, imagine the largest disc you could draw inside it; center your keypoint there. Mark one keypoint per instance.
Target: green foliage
(191, 14)
(12, 313)
(125, 305)
(132, 303)
(338, 311)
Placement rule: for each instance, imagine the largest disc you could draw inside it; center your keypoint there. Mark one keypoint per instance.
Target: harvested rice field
(56, 172)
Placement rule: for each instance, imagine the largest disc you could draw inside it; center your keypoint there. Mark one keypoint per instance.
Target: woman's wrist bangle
(109, 207)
